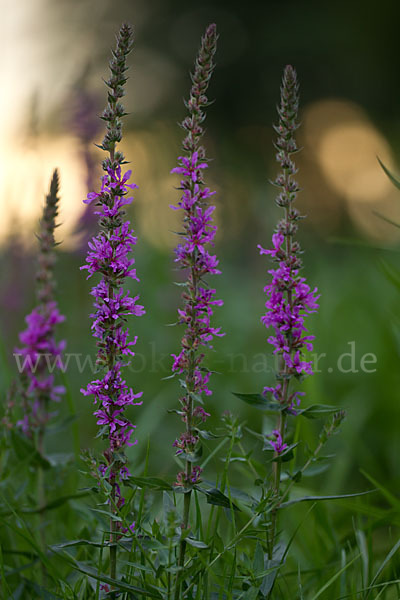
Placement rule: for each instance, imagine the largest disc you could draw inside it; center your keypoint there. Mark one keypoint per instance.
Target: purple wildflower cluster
(41, 354)
(289, 298)
(277, 443)
(192, 254)
(110, 255)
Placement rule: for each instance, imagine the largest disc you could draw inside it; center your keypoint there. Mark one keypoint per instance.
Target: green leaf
(258, 562)
(393, 178)
(196, 543)
(258, 401)
(119, 585)
(168, 503)
(316, 498)
(297, 476)
(196, 397)
(73, 543)
(138, 566)
(183, 384)
(192, 456)
(168, 376)
(250, 594)
(285, 456)
(385, 218)
(270, 575)
(216, 497)
(154, 483)
(241, 496)
(386, 561)
(255, 434)
(208, 435)
(333, 579)
(315, 411)
(108, 514)
(395, 502)
(315, 470)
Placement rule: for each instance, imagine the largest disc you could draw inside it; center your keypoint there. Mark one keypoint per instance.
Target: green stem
(182, 546)
(113, 510)
(189, 380)
(277, 484)
(113, 540)
(302, 470)
(169, 569)
(225, 474)
(41, 492)
(271, 535)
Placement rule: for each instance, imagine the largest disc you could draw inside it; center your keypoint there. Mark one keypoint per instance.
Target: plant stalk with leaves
(289, 298)
(193, 256)
(41, 355)
(40, 352)
(109, 255)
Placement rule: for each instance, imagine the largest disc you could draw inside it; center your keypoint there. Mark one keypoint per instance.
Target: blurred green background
(54, 55)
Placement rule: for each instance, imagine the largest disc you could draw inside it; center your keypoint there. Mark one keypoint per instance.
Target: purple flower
(40, 356)
(277, 443)
(193, 255)
(289, 299)
(188, 479)
(200, 413)
(186, 443)
(110, 257)
(130, 529)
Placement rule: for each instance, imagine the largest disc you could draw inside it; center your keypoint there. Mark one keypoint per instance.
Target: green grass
(339, 548)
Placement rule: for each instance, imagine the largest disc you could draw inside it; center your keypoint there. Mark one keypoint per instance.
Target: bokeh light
(344, 145)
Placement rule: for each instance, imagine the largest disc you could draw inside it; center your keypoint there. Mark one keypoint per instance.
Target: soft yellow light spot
(152, 160)
(25, 181)
(344, 144)
(347, 155)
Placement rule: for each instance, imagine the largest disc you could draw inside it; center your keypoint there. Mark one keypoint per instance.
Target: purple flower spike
(289, 298)
(110, 256)
(40, 357)
(193, 255)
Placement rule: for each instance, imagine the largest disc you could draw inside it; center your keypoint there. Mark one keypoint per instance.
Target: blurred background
(53, 58)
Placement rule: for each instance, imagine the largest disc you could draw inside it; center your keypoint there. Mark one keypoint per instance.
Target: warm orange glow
(151, 157)
(345, 145)
(347, 155)
(25, 180)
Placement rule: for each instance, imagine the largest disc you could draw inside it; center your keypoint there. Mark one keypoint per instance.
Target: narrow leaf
(216, 497)
(315, 411)
(393, 178)
(153, 483)
(258, 401)
(196, 543)
(386, 561)
(316, 498)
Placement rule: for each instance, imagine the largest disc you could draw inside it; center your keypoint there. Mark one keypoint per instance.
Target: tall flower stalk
(289, 298)
(109, 255)
(193, 255)
(40, 355)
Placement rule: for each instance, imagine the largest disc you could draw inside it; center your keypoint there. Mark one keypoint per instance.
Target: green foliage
(227, 553)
